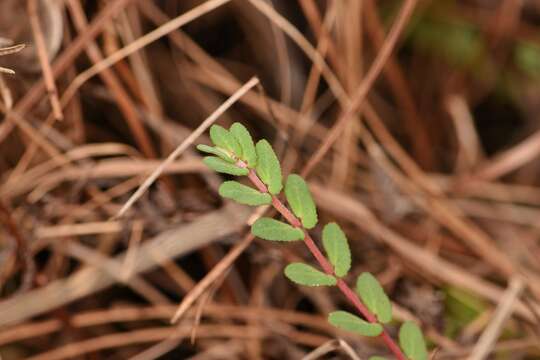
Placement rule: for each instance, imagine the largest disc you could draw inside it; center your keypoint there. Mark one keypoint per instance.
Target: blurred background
(416, 120)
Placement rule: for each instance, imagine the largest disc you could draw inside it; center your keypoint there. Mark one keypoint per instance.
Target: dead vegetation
(414, 121)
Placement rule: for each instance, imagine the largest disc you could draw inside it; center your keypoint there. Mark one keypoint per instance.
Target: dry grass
(110, 225)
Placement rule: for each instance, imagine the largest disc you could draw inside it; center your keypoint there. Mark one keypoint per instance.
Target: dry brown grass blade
(7, 51)
(504, 309)
(33, 95)
(470, 149)
(414, 125)
(34, 135)
(114, 269)
(217, 77)
(361, 92)
(165, 66)
(79, 153)
(160, 312)
(123, 100)
(57, 231)
(303, 43)
(133, 247)
(171, 243)
(11, 49)
(188, 142)
(439, 209)
(114, 168)
(211, 277)
(331, 346)
(4, 70)
(352, 210)
(147, 335)
(152, 36)
(48, 78)
(509, 160)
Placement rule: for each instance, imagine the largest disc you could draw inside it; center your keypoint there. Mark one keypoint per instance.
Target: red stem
(324, 263)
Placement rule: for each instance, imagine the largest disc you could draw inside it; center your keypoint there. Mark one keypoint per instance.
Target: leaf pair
(224, 139)
(236, 144)
(411, 339)
(334, 241)
(299, 199)
(260, 156)
(335, 244)
(372, 295)
(230, 145)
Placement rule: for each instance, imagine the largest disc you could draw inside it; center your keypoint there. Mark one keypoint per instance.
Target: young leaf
(350, 322)
(307, 275)
(243, 194)
(222, 138)
(268, 167)
(336, 246)
(222, 166)
(376, 357)
(412, 341)
(374, 297)
(216, 151)
(243, 137)
(271, 229)
(300, 199)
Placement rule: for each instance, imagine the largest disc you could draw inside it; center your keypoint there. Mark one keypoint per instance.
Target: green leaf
(461, 307)
(307, 275)
(243, 137)
(376, 357)
(222, 166)
(222, 138)
(268, 167)
(243, 194)
(300, 199)
(412, 341)
(374, 297)
(271, 229)
(223, 154)
(347, 321)
(336, 246)
(527, 58)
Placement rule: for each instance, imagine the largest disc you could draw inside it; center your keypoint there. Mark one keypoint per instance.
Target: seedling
(236, 154)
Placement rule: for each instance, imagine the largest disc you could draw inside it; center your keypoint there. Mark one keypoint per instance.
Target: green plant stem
(324, 263)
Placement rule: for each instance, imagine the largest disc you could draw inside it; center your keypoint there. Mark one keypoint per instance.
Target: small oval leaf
(268, 167)
(243, 137)
(336, 246)
(222, 166)
(301, 201)
(412, 341)
(271, 229)
(347, 321)
(307, 275)
(222, 138)
(244, 194)
(223, 154)
(374, 297)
